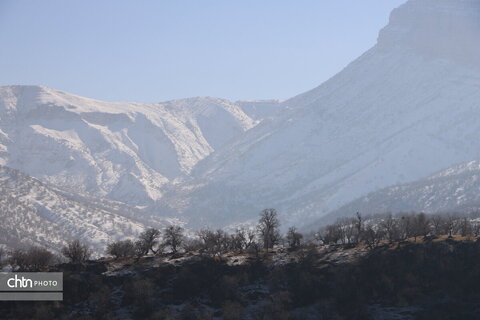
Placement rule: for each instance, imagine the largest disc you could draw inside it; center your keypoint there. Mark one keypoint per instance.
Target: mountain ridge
(124, 151)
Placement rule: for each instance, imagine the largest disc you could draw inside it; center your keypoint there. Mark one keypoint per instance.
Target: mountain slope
(33, 213)
(406, 108)
(452, 189)
(123, 151)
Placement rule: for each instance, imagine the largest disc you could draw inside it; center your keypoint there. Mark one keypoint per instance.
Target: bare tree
(438, 224)
(372, 237)
(450, 225)
(349, 229)
(294, 238)
(173, 237)
(39, 258)
(238, 240)
(206, 237)
(358, 227)
(268, 226)
(406, 227)
(76, 252)
(255, 248)
(476, 228)
(191, 245)
(464, 227)
(141, 248)
(121, 249)
(390, 228)
(147, 241)
(214, 242)
(421, 226)
(330, 234)
(251, 235)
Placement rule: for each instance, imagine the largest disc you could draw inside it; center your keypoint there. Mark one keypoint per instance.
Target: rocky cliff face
(441, 29)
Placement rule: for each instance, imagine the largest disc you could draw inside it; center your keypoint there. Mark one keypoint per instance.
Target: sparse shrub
(33, 259)
(121, 249)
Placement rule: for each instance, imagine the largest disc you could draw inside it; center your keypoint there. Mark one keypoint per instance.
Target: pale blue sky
(148, 51)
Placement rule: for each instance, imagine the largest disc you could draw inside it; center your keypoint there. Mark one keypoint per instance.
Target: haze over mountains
(408, 107)
(454, 189)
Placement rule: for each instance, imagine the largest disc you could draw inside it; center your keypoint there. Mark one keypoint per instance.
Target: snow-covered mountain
(33, 213)
(406, 108)
(454, 189)
(123, 151)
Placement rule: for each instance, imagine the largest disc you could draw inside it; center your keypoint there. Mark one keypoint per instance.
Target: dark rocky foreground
(434, 279)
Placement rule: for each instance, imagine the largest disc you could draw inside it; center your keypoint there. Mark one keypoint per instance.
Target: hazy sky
(144, 50)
